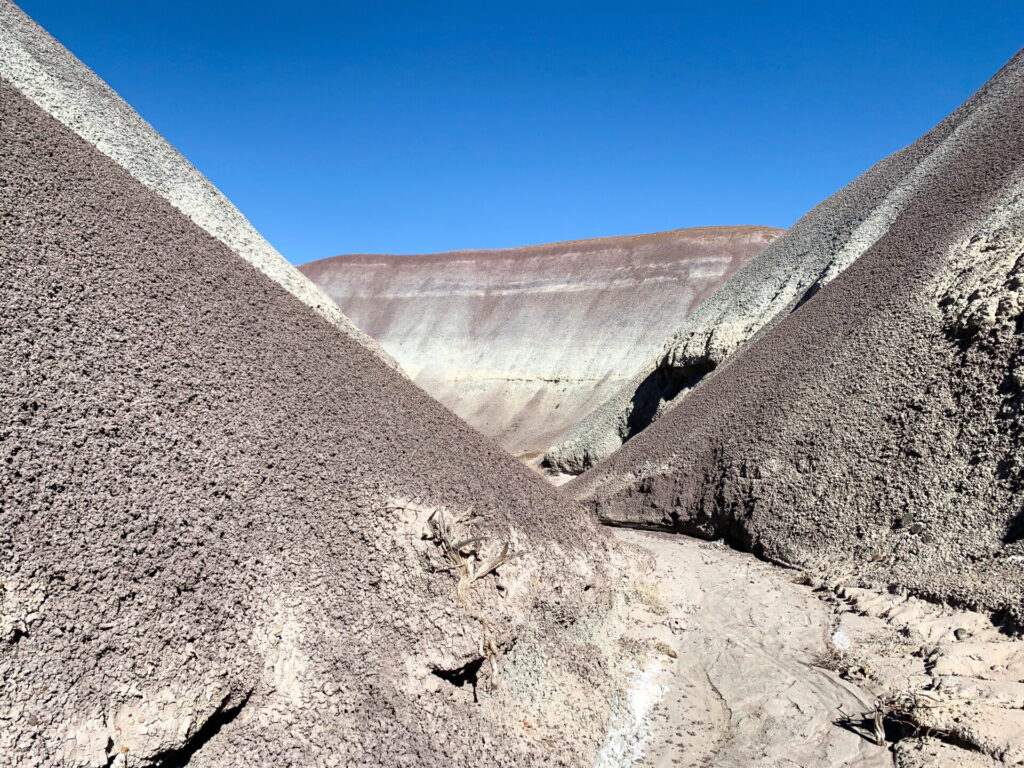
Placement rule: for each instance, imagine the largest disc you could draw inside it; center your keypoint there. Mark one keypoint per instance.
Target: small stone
(32, 720)
(962, 634)
(916, 528)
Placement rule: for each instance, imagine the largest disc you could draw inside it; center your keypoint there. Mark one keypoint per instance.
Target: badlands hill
(207, 557)
(231, 534)
(525, 342)
(42, 69)
(876, 430)
(789, 272)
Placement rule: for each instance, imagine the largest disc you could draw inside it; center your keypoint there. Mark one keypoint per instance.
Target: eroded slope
(876, 430)
(523, 343)
(789, 272)
(52, 77)
(209, 557)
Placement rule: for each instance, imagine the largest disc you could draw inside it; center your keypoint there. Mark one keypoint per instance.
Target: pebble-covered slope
(207, 555)
(790, 271)
(876, 430)
(524, 342)
(50, 75)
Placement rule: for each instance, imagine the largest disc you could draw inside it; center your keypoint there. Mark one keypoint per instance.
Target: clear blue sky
(408, 127)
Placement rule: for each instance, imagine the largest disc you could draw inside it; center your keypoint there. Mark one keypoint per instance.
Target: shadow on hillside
(664, 384)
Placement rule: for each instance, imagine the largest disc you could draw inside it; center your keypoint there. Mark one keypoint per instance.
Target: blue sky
(408, 127)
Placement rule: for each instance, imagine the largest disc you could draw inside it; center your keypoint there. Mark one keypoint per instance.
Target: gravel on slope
(214, 545)
(52, 77)
(789, 272)
(875, 432)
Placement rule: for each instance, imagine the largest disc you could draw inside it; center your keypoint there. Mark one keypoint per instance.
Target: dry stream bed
(756, 666)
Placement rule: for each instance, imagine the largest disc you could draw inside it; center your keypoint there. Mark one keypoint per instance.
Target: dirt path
(749, 666)
(743, 690)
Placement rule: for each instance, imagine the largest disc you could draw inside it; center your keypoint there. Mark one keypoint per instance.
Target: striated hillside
(524, 342)
(233, 534)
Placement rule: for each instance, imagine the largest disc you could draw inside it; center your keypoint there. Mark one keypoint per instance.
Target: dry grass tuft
(650, 596)
(472, 556)
(900, 709)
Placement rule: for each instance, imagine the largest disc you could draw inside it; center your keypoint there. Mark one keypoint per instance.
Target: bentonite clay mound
(790, 271)
(876, 430)
(51, 76)
(210, 550)
(525, 342)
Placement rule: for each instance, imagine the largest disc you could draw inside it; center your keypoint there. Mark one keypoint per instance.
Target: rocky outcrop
(876, 430)
(231, 536)
(48, 74)
(789, 272)
(524, 342)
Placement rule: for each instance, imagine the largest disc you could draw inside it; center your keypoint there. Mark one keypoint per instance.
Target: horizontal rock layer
(524, 342)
